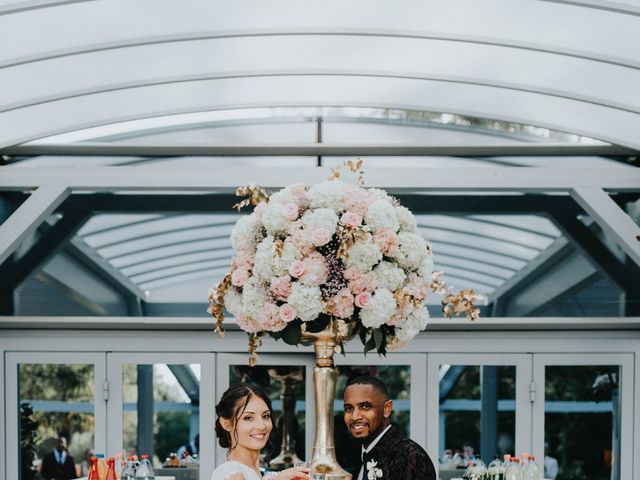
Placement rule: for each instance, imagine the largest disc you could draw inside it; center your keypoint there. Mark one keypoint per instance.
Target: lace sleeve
(270, 476)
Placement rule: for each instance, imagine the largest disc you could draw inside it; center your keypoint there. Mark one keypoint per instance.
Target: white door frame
(522, 362)
(13, 359)
(115, 363)
(626, 363)
(269, 359)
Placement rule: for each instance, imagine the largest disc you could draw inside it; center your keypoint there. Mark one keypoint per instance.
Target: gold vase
(324, 385)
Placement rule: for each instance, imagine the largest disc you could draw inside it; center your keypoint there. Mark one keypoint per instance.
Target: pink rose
(362, 282)
(341, 305)
(287, 312)
(281, 287)
(296, 269)
(363, 300)
(320, 236)
(351, 219)
(290, 211)
(239, 276)
(387, 241)
(349, 274)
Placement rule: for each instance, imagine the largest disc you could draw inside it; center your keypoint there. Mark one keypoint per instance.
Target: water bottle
(129, 470)
(145, 470)
(530, 470)
(513, 470)
(494, 470)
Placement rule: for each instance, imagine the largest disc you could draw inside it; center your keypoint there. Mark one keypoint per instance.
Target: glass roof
(565, 66)
(161, 252)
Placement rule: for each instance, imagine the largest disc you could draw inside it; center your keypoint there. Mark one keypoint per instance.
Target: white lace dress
(224, 472)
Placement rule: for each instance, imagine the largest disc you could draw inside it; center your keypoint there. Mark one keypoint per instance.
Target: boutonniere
(374, 471)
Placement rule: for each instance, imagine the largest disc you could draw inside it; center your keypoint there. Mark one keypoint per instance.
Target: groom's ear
(387, 408)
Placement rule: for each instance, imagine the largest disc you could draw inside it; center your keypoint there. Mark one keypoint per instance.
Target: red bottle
(93, 471)
(111, 473)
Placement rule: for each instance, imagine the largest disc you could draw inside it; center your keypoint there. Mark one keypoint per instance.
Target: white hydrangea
(274, 220)
(306, 300)
(290, 253)
(381, 215)
(426, 269)
(321, 218)
(245, 234)
(415, 322)
(263, 263)
(380, 310)
(378, 194)
(327, 194)
(363, 256)
(254, 296)
(389, 276)
(406, 219)
(233, 302)
(412, 251)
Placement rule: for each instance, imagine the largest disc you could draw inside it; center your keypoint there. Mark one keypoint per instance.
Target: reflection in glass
(477, 414)
(55, 399)
(161, 412)
(582, 422)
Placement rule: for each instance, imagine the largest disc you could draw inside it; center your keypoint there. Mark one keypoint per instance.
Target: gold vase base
(284, 461)
(331, 476)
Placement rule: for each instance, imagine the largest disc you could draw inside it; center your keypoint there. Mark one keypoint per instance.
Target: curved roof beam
(588, 119)
(607, 30)
(133, 67)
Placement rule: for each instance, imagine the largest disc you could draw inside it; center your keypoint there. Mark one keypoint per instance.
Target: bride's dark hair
(232, 404)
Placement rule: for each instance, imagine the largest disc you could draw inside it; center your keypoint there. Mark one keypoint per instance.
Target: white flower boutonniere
(374, 472)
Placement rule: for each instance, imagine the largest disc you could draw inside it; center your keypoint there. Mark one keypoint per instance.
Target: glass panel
(397, 378)
(477, 415)
(161, 414)
(55, 400)
(285, 386)
(582, 422)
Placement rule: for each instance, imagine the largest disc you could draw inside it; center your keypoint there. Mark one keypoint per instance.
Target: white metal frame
(522, 362)
(47, 340)
(115, 363)
(224, 360)
(626, 363)
(13, 359)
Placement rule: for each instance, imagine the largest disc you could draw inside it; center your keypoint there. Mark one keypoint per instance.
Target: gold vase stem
(324, 382)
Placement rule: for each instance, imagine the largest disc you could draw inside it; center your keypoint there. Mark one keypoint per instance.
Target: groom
(386, 455)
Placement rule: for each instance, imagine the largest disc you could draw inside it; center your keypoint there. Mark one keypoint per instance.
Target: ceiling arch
(568, 66)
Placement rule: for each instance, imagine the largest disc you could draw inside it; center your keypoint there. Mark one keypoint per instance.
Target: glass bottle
(111, 472)
(93, 470)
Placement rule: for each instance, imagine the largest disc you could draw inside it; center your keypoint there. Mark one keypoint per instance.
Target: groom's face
(366, 412)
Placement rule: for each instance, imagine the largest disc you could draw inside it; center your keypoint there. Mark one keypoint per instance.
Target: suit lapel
(383, 452)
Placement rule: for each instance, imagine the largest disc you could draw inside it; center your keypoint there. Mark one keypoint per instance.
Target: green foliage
(171, 432)
(61, 382)
(28, 440)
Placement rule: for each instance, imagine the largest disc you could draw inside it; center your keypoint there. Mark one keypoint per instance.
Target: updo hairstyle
(233, 404)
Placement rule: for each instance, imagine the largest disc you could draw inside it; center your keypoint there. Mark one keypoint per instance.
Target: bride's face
(253, 426)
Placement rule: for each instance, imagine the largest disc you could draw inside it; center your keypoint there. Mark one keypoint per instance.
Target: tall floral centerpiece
(324, 263)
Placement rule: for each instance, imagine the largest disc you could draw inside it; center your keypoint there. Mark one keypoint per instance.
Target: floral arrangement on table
(307, 254)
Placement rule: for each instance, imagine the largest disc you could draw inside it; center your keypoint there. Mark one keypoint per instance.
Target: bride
(243, 426)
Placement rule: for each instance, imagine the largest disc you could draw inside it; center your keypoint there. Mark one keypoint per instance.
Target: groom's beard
(371, 437)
